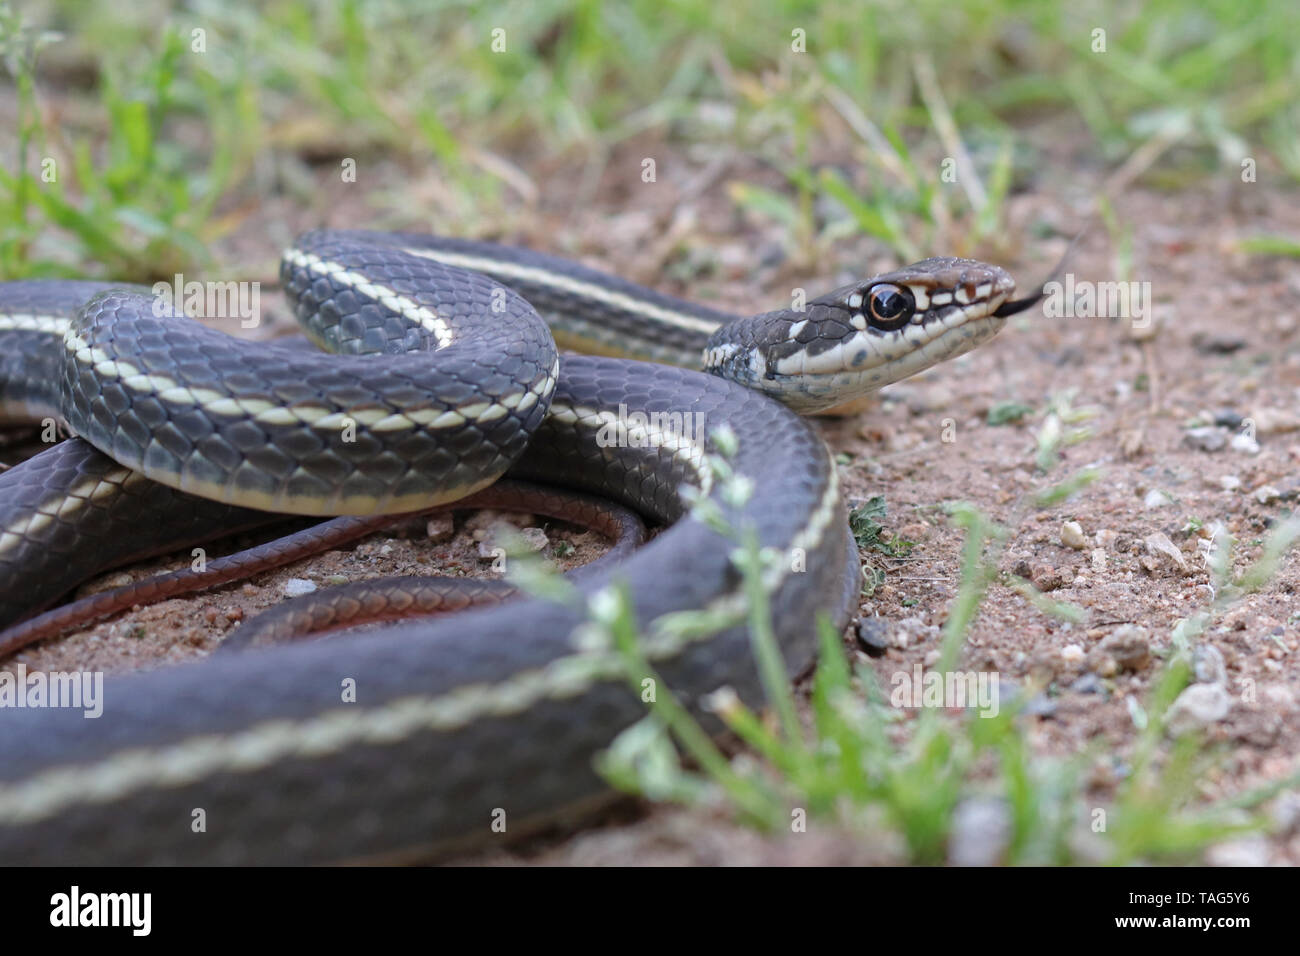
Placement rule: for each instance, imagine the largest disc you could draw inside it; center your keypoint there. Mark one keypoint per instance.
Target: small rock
(1127, 648)
(1198, 706)
(483, 520)
(1047, 578)
(1227, 418)
(873, 636)
(1271, 421)
(1105, 666)
(909, 629)
(1222, 343)
(1205, 439)
(1072, 536)
(981, 832)
(1158, 543)
(440, 528)
(1229, 482)
(1241, 442)
(1098, 557)
(297, 587)
(1266, 493)
(1209, 666)
(1087, 684)
(1071, 654)
(490, 546)
(1290, 489)
(534, 538)
(1040, 705)
(1155, 498)
(1105, 537)
(932, 657)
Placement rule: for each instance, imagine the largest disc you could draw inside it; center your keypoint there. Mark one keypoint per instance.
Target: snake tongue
(1029, 301)
(1019, 305)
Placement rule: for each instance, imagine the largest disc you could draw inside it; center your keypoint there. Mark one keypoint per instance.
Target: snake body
(425, 734)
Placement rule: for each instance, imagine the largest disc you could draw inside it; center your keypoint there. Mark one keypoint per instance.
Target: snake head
(864, 336)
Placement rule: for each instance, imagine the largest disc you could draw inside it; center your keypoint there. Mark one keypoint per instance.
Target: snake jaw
(859, 338)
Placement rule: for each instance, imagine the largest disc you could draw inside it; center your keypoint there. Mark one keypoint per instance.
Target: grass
(862, 767)
(178, 131)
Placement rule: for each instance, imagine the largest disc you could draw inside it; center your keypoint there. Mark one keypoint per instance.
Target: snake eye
(891, 306)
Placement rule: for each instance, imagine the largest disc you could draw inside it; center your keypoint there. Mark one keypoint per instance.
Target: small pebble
(1198, 706)
(1155, 498)
(1208, 663)
(1205, 439)
(440, 528)
(1227, 418)
(296, 587)
(1266, 493)
(1223, 343)
(873, 636)
(1158, 543)
(1271, 421)
(1072, 536)
(1047, 578)
(1229, 482)
(1072, 653)
(1087, 684)
(535, 538)
(1244, 444)
(1040, 705)
(1127, 648)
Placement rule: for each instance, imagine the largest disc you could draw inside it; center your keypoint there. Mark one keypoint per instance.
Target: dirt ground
(1224, 347)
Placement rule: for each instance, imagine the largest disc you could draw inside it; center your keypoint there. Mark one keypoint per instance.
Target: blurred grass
(856, 127)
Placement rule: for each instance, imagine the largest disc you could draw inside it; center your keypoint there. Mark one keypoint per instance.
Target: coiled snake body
(445, 379)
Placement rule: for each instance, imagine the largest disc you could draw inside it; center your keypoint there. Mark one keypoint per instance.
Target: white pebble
(1244, 443)
(1072, 536)
(1156, 499)
(1266, 493)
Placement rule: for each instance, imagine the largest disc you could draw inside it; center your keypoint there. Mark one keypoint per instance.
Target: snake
(443, 364)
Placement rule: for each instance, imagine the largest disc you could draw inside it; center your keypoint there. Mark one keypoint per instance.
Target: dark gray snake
(185, 434)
